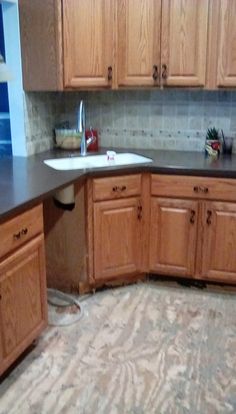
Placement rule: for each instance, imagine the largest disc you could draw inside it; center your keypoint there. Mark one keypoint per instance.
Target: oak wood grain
(173, 236)
(218, 248)
(23, 306)
(138, 41)
(194, 187)
(20, 229)
(184, 42)
(117, 238)
(226, 54)
(41, 45)
(88, 42)
(213, 44)
(109, 188)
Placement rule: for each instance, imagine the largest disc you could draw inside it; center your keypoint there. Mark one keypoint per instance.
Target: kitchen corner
(118, 207)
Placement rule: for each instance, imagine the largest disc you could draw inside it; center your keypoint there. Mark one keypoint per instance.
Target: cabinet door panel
(184, 41)
(138, 41)
(88, 40)
(173, 236)
(23, 298)
(219, 241)
(227, 44)
(117, 247)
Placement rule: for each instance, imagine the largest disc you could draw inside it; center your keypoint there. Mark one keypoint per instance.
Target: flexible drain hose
(60, 299)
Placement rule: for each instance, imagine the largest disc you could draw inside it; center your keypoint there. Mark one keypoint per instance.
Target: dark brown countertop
(26, 181)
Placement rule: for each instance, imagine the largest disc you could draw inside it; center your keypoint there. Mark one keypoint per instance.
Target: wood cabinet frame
(44, 51)
(23, 303)
(192, 192)
(144, 200)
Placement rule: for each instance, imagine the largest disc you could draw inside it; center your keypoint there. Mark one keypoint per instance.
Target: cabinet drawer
(194, 187)
(116, 187)
(21, 228)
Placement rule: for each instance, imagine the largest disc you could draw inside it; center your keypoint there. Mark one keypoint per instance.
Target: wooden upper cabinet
(88, 40)
(226, 27)
(127, 43)
(184, 42)
(41, 44)
(138, 42)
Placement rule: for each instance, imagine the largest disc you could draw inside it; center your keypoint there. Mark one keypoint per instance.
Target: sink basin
(95, 161)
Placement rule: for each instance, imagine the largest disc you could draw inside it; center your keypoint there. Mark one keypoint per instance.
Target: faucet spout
(81, 128)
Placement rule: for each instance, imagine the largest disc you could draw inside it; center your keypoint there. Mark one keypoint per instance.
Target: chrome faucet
(81, 128)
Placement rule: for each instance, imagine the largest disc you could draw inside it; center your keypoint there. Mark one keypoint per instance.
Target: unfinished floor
(147, 348)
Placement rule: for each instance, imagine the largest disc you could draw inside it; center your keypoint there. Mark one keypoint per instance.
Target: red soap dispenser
(92, 133)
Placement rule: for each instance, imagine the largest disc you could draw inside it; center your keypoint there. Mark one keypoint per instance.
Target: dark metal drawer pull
(209, 215)
(109, 73)
(192, 216)
(24, 231)
(155, 74)
(164, 71)
(118, 188)
(17, 236)
(140, 210)
(204, 189)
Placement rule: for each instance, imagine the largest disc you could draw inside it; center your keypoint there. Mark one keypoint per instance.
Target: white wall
(15, 87)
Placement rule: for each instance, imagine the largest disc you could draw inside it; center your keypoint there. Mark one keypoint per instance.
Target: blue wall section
(5, 132)
(4, 106)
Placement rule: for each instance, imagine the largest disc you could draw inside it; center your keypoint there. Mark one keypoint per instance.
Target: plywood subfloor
(142, 349)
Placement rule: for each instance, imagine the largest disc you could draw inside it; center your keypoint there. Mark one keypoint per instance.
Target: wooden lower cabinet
(173, 236)
(117, 238)
(193, 238)
(219, 241)
(23, 312)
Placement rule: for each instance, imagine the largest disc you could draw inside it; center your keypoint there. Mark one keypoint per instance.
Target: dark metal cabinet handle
(24, 231)
(17, 236)
(109, 73)
(192, 216)
(209, 215)
(164, 71)
(140, 212)
(155, 74)
(204, 190)
(117, 188)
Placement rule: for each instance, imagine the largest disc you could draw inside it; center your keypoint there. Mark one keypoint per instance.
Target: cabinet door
(173, 236)
(226, 72)
(219, 241)
(88, 43)
(138, 42)
(22, 299)
(184, 42)
(117, 235)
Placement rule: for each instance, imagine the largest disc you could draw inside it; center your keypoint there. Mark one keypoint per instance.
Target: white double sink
(96, 161)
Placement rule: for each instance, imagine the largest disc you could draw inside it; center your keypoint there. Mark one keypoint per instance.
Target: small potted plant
(212, 145)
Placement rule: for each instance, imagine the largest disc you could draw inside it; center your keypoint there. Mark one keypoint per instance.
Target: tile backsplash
(154, 119)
